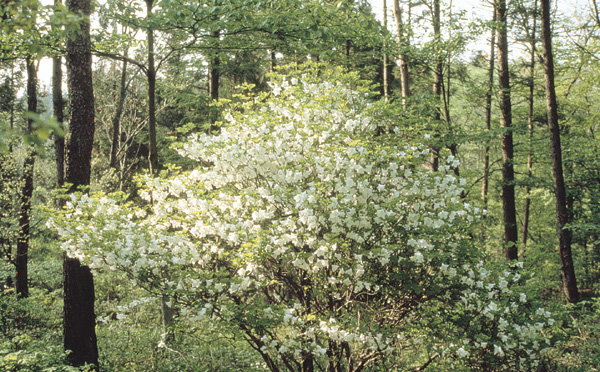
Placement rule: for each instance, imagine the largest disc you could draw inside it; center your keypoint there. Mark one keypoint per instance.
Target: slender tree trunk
(12, 104)
(386, 84)
(58, 108)
(272, 62)
(213, 79)
(446, 95)
(488, 115)
(58, 111)
(562, 212)
(79, 316)
(348, 48)
(511, 235)
(403, 43)
(21, 285)
(214, 73)
(530, 129)
(153, 162)
(116, 122)
(437, 79)
(151, 74)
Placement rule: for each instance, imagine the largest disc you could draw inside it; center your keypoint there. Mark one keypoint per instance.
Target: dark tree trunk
(530, 128)
(12, 103)
(151, 74)
(79, 317)
(58, 108)
(214, 73)
(511, 235)
(21, 285)
(446, 94)
(488, 115)
(272, 62)
(437, 80)
(116, 122)
(562, 213)
(80, 335)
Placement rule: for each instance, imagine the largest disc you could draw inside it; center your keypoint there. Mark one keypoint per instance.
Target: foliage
(578, 349)
(317, 237)
(29, 335)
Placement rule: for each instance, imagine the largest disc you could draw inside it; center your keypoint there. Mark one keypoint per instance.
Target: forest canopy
(298, 186)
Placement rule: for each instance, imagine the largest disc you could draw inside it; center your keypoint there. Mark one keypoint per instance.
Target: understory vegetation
(299, 186)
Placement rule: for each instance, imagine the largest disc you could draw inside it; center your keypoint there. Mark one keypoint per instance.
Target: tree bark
(214, 73)
(213, 78)
(151, 74)
(511, 235)
(386, 83)
(562, 212)
(530, 129)
(116, 122)
(79, 318)
(403, 43)
(58, 110)
(438, 76)
(446, 94)
(21, 285)
(488, 115)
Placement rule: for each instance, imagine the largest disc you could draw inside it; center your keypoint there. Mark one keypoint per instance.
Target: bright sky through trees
(473, 8)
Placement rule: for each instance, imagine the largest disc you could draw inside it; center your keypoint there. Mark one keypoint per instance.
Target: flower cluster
(302, 226)
(501, 323)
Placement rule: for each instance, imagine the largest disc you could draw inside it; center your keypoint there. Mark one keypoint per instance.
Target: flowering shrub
(308, 230)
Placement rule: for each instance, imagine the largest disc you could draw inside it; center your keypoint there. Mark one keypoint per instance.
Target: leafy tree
(560, 192)
(21, 278)
(58, 109)
(508, 173)
(321, 242)
(79, 317)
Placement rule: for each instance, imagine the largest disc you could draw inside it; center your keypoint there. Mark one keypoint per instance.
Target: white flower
(418, 257)
(462, 352)
(498, 351)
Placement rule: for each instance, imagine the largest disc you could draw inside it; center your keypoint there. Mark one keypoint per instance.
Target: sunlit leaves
(310, 231)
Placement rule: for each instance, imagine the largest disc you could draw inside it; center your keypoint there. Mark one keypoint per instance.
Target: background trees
(201, 48)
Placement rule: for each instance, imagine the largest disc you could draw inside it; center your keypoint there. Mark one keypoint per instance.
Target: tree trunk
(58, 108)
(386, 83)
(79, 317)
(116, 122)
(488, 115)
(437, 80)
(79, 333)
(530, 130)
(21, 285)
(403, 43)
(213, 79)
(214, 73)
(511, 235)
(562, 213)
(272, 62)
(12, 103)
(446, 94)
(151, 74)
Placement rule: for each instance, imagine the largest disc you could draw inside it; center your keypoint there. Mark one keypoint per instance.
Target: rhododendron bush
(309, 229)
